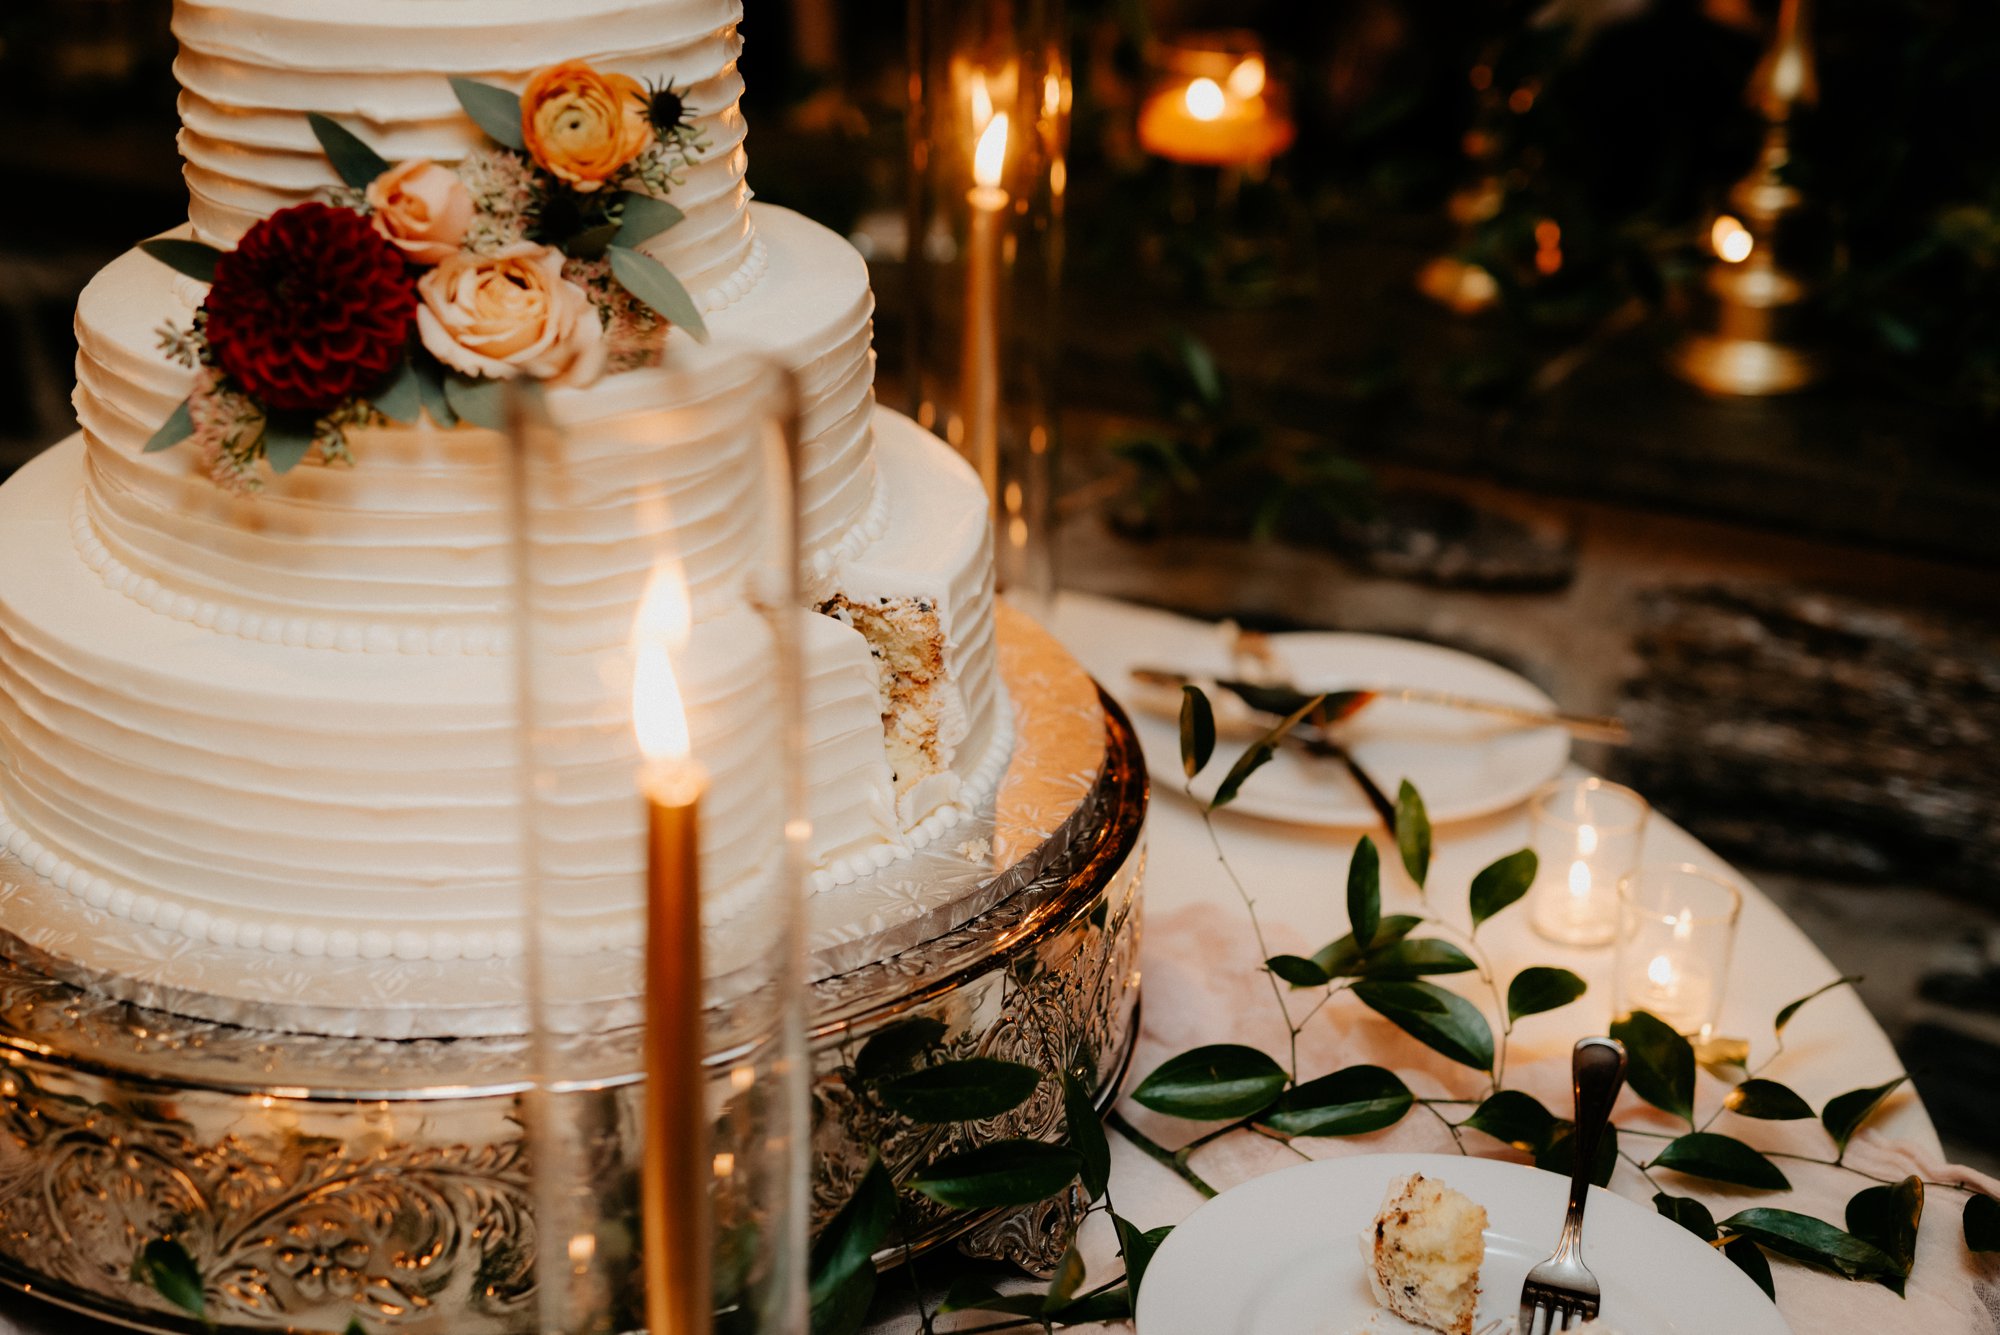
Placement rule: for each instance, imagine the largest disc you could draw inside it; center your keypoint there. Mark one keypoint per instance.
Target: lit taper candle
(985, 240)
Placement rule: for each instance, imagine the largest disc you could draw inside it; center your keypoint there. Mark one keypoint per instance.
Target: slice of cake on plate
(1424, 1252)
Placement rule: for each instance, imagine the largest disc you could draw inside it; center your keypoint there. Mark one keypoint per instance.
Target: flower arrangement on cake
(417, 288)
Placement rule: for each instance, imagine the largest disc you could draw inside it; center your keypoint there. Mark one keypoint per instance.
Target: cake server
(1561, 1291)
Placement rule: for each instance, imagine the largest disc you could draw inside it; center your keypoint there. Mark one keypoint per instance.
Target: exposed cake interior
(1424, 1253)
(923, 716)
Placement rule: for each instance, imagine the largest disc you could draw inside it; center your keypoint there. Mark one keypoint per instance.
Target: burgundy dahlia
(312, 308)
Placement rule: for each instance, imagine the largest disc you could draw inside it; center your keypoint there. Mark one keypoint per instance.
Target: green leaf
(653, 283)
(1340, 957)
(1203, 374)
(1259, 754)
(894, 1048)
(354, 161)
(430, 387)
(1413, 959)
(1197, 730)
(971, 1089)
(970, 1294)
(1844, 1113)
(1659, 1062)
(177, 428)
(1749, 1258)
(1298, 971)
(1689, 1213)
(1441, 1020)
(1094, 1308)
(166, 1266)
(1767, 1100)
(1413, 832)
(1887, 1216)
(847, 1246)
(645, 218)
(1559, 1155)
(1346, 1103)
(196, 259)
(1501, 884)
(401, 397)
(1541, 988)
(494, 110)
(1982, 1223)
(1516, 1118)
(1792, 1008)
(288, 439)
(1812, 1241)
(1213, 1083)
(1086, 1135)
(1364, 892)
(591, 242)
(477, 401)
(1137, 1248)
(1001, 1173)
(1721, 1159)
(354, 1327)
(1067, 1279)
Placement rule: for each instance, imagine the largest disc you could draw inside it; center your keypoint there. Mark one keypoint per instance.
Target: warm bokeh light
(1204, 100)
(1247, 79)
(982, 101)
(989, 159)
(1731, 239)
(659, 630)
(1660, 971)
(1579, 879)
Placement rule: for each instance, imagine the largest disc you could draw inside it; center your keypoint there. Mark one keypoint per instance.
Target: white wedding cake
(255, 659)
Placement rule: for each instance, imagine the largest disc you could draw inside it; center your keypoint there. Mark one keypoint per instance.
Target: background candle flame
(989, 159)
(1247, 79)
(660, 628)
(1204, 99)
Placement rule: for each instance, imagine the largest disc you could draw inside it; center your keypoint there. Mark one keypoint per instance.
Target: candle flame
(1731, 239)
(660, 629)
(1684, 926)
(1579, 879)
(1586, 839)
(989, 159)
(1205, 100)
(1660, 971)
(982, 101)
(1247, 79)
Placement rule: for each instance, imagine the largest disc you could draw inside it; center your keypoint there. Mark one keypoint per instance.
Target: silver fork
(1561, 1290)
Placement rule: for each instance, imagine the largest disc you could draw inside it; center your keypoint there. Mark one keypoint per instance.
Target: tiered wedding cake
(268, 706)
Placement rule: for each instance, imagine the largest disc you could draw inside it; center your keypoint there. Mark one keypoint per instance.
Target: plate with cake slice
(1403, 1244)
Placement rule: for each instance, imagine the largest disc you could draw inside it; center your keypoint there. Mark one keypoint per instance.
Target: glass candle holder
(1214, 102)
(1586, 834)
(1676, 933)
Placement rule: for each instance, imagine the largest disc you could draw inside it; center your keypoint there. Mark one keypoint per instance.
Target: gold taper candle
(675, 1170)
(985, 237)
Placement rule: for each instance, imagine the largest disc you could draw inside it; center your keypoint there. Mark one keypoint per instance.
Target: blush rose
(508, 314)
(422, 209)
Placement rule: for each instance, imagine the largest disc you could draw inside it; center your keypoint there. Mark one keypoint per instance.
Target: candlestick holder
(988, 170)
(1586, 834)
(1676, 934)
(660, 802)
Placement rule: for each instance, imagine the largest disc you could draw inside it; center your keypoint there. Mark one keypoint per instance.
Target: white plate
(1280, 1255)
(1464, 764)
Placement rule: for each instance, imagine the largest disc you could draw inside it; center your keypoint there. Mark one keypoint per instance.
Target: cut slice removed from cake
(1424, 1254)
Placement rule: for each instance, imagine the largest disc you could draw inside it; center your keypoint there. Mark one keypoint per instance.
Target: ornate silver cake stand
(319, 1169)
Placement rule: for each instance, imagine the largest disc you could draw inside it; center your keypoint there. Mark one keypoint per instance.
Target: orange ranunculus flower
(582, 126)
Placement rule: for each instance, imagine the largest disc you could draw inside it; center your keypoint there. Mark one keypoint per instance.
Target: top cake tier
(251, 69)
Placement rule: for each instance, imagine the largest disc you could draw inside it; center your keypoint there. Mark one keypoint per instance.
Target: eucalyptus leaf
(1792, 1008)
(1844, 1113)
(1440, 1020)
(1559, 1154)
(401, 396)
(1298, 971)
(1887, 1216)
(1659, 1062)
(1259, 755)
(1721, 1158)
(848, 1244)
(1982, 1223)
(494, 110)
(1213, 1083)
(1413, 832)
(1812, 1241)
(479, 402)
(894, 1048)
(1768, 1101)
(1339, 958)
(1000, 1173)
(970, 1089)
(353, 161)
(196, 259)
(1197, 730)
(1364, 892)
(592, 242)
(653, 283)
(1542, 988)
(430, 387)
(1748, 1257)
(645, 217)
(1348, 1102)
(1689, 1213)
(1137, 1247)
(288, 439)
(1516, 1118)
(177, 428)
(1413, 958)
(1086, 1136)
(1501, 883)
(166, 1267)
(844, 1311)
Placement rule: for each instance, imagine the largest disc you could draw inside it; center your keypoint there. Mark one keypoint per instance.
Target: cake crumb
(975, 850)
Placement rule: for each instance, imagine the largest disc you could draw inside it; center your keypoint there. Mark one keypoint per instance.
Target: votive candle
(1586, 834)
(1676, 936)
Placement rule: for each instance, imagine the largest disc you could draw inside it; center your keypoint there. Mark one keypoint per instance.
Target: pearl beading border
(737, 286)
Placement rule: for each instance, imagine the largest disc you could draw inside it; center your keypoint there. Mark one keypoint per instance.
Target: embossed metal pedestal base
(317, 1180)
